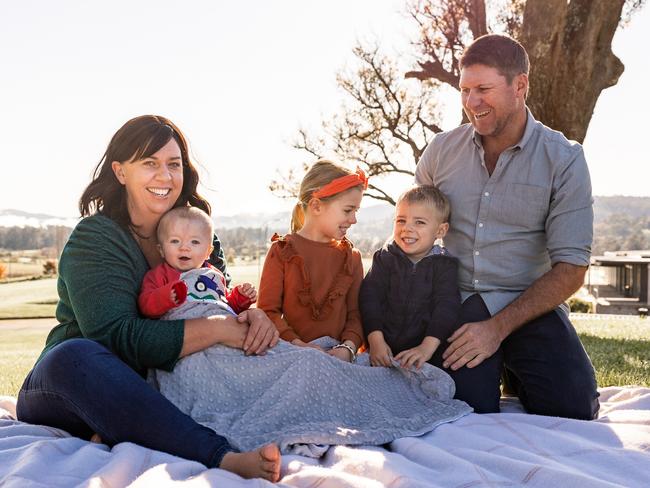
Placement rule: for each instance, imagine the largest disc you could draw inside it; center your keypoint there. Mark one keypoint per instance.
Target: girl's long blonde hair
(320, 174)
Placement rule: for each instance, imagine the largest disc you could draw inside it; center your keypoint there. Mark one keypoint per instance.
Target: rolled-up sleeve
(569, 225)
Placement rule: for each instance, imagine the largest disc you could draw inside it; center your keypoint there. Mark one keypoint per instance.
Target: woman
(89, 378)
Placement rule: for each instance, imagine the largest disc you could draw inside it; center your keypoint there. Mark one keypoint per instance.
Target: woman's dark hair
(137, 139)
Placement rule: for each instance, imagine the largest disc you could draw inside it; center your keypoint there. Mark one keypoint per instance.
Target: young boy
(409, 299)
(186, 283)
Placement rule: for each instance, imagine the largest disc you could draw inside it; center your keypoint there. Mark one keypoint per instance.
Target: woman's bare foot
(95, 438)
(261, 463)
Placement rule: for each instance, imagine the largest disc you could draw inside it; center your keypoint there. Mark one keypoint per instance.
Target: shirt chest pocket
(522, 205)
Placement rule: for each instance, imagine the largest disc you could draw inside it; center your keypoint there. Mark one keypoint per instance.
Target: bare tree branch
(384, 125)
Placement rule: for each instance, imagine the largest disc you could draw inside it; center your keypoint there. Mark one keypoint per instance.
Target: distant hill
(18, 218)
(620, 223)
(635, 207)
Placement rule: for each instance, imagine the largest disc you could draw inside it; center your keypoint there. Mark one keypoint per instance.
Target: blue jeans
(83, 388)
(543, 361)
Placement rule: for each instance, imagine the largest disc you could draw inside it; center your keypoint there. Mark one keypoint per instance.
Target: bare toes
(270, 452)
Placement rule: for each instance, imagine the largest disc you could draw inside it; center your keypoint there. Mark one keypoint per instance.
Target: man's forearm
(544, 295)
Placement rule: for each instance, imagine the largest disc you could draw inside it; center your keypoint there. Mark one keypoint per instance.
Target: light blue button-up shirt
(507, 229)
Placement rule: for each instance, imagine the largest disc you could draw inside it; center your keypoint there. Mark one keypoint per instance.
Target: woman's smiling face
(153, 184)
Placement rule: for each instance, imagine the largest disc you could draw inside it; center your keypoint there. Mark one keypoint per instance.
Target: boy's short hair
(192, 214)
(429, 195)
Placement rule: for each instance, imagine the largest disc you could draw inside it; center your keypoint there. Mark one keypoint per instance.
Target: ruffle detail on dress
(340, 285)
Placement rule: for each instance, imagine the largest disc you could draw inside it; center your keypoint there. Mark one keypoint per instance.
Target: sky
(239, 79)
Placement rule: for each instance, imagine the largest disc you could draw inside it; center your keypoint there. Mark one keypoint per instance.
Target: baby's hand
(418, 355)
(178, 293)
(248, 291)
(380, 352)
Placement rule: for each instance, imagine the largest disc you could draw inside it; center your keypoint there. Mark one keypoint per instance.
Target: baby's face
(185, 244)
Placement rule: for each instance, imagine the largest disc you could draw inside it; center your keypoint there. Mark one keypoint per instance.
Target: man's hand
(261, 334)
(472, 344)
(380, 352)
(417, 356)
(248, 291)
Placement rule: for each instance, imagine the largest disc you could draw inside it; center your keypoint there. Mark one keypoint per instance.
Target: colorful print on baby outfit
(204, 284)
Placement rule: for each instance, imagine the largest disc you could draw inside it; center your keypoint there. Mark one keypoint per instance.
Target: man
(521, 226)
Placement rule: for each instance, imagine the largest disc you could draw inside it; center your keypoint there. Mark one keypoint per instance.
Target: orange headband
(343, 183)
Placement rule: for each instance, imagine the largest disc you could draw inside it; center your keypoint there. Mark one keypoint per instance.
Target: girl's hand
(341, 353)
(380, 352)
(261, 334)
(248, 291)
(299, 343)
(418, 355)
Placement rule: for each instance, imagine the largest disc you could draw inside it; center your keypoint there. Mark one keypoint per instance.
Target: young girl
(311, 278)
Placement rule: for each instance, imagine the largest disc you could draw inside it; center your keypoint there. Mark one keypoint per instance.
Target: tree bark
(569, 45)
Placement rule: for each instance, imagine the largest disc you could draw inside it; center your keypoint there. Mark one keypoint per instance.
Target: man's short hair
(497, 51)
(193, 214)
(429, 195)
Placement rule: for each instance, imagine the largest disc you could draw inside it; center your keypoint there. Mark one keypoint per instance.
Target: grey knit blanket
(301, 398)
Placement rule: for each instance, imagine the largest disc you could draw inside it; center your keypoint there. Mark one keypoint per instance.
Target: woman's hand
(204, 332)
(261, 334)
(233, 333)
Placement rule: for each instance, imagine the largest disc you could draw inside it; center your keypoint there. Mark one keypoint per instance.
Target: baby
(186, 282)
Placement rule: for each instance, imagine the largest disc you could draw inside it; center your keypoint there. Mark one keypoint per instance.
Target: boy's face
(416, 227)
(185, 244)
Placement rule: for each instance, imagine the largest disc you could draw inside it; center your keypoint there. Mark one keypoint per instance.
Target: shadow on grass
(619, 362)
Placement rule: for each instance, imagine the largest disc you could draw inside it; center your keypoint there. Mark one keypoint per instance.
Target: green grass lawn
(21, 345)
(619, 349)
(38, 298)
(31, 298)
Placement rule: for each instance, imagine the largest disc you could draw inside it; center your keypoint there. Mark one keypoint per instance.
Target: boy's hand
(248, 291)
(173, 296)
(418, 355)
(380, 352)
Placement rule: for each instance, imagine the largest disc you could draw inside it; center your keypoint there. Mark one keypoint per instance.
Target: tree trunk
(569, 45)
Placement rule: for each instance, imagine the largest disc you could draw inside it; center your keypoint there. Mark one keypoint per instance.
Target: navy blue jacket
(408, 301)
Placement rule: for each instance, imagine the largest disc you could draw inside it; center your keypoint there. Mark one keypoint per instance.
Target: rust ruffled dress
(311, 289)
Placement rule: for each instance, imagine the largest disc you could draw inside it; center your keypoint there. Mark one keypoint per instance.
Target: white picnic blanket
(506, 449)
